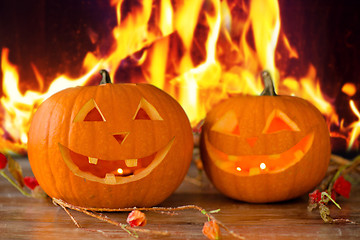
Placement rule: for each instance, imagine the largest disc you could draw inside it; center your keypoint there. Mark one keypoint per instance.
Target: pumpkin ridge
(72, 185)
(47, 146)
(54, 167)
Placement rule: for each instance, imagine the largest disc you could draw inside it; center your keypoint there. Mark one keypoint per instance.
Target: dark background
(327, 34)
(53, 34)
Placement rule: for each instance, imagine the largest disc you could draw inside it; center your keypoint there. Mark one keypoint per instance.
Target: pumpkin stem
(105, 77)
(269, 89)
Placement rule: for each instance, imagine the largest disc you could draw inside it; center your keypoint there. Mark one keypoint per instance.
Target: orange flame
(355, 132)
(349, 89)
(20, 107)
(198, 51)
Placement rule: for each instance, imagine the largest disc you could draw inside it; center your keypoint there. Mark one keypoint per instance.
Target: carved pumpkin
(265, 148)
(112, 145)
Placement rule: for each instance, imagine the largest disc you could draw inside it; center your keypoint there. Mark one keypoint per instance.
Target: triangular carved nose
(251, 141)
(121, 137)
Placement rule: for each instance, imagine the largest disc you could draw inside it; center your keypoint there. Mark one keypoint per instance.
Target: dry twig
(132, 231)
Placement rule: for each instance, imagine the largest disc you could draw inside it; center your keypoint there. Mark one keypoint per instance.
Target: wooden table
(28, 218)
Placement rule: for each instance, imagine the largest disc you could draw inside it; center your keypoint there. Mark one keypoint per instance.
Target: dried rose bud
(3, 161)
(31, 182)
(342, 187)
(211, 230)
(136, 218)
(315, 196)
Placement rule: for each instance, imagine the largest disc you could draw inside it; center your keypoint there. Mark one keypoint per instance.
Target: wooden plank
(27, 218)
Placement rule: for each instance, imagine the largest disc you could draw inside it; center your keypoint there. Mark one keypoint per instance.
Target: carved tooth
(110, 178)
(131, 162)
(93, 160)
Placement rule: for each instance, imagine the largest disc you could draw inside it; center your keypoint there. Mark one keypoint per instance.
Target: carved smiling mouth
(259, 164)
(112, 171)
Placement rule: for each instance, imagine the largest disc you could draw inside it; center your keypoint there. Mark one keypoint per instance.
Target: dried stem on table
(90, 212)
(342, 161)
(133, 231)
(334, 184)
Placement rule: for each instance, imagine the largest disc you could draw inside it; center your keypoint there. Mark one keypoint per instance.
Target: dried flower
(342, 187)
(136, 218)
(31, 182)
(211, 230)
(3, 161)
(325, 213)
(315, 196)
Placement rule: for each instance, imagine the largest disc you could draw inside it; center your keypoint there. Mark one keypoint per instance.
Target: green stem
(14, 184)
(328, 196)
(206, 214)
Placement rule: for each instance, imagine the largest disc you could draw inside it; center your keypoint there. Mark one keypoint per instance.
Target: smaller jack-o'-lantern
(112, 145)
(265, 148)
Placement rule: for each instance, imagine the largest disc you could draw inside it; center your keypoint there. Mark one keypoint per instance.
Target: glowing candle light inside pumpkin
(120, 171)
(262, 166)
(238, 169)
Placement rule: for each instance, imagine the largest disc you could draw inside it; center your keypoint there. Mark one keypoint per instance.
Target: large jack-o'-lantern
(112, 145)
(265, 148)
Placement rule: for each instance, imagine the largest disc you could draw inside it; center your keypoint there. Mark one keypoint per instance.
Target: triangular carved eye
(89, 112)
(228, 123)
(142, 115)
(93, 115)
(279, 121)
(146, 111)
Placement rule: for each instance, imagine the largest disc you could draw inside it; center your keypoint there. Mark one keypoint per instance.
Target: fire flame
(198, 51)
(355, 126)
